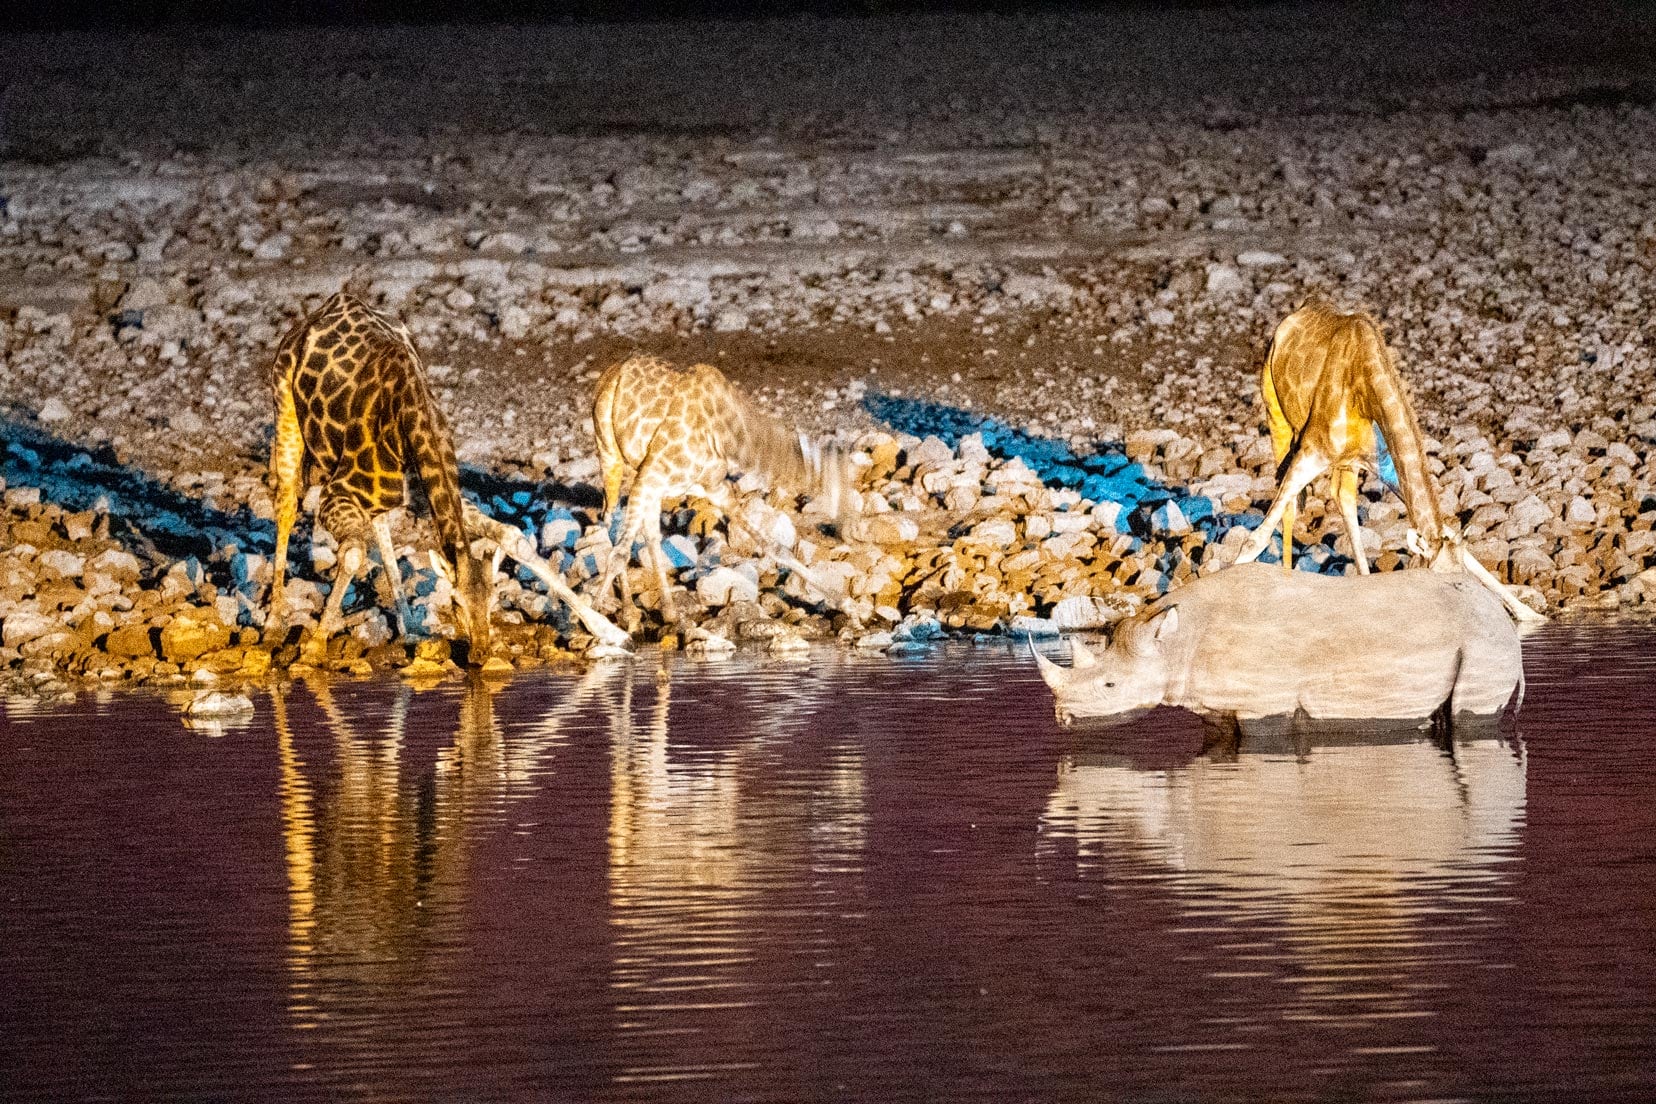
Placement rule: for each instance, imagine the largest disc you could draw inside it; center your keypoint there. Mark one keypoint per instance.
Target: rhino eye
(1109, 684)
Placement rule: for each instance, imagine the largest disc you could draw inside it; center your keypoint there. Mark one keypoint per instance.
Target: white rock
(53, 410)
(22, 626)
(218, 703)
(995, 532)
(730, 320)
(1081, 611)
(1579, 512)
(1025, 625)
(1527, 515)
(724, 585)
(1518, 153)
(186, 421)
(273, 248)
(1223, 280)
(1168, 518)
(1260, 258)
(580, 469)
(67, 564)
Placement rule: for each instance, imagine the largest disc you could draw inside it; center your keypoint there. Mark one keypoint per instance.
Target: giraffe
(665, 430)
(353, 410)
(351, 398)
(1335, 402)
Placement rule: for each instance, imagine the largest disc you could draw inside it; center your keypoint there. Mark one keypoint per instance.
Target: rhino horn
(1081, 657)
(1051, 674)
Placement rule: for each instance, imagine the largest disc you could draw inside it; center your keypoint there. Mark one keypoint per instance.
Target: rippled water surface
(884, 879)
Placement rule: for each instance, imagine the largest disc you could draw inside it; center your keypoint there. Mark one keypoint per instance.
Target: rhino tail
(1443, 718)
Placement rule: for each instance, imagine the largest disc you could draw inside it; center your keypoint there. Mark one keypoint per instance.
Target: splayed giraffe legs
(510, 541)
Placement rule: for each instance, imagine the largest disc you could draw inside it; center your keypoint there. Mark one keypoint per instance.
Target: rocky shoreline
(1037, 315)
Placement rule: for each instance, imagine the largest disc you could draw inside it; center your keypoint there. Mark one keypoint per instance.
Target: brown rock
(193, 633)
(130, 642)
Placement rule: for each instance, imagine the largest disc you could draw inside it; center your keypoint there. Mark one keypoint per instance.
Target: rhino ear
(1081, 657)
(1147, 638)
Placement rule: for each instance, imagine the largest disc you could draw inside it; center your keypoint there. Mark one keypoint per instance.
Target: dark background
(94, 14)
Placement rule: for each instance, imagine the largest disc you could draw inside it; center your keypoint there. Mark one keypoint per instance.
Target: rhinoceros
(1251, 641)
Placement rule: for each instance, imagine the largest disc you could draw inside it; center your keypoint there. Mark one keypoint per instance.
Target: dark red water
(862, 879)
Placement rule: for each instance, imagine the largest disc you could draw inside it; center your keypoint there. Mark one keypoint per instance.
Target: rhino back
(1390, 645)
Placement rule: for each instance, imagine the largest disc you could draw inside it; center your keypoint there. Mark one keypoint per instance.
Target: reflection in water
(377, 850)
(706, 844)
(1362, 855)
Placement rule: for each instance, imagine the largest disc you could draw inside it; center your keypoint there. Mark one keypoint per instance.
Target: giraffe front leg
(1305, 467)
(390, 574)
(348, 521)
(658, 560)
(1345, 489)
(287, 459)
(509, 541)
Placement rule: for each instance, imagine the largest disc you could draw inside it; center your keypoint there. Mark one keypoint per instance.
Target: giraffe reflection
(1342, 856)
(706, 833)
(377, 850)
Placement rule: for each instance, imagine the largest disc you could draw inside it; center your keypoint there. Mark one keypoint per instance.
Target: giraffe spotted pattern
(665, 430)
(354, 413)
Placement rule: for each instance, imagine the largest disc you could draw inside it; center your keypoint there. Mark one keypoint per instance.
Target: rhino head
(1132, 673)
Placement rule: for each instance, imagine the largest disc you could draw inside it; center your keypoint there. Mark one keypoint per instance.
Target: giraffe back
(366, 413)
(706, 428)
(1336, 381)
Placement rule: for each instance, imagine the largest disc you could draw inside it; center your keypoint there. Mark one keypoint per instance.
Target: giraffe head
(831, 476)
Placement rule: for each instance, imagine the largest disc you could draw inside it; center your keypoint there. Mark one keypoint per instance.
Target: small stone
(53, 410)
(1580, 512)
(187, 422)
(995, 532)
(62, 563)
(894, 528)
(218, 703)
(1024, 625)
(130, 642)
(192, 633)
(1168, 518)
(730, 320)
(1223, 280)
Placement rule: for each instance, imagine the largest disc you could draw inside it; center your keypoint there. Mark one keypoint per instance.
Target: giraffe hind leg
(349, 522)
(287, 458)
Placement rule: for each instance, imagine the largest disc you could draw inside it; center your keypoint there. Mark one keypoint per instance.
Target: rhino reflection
(1358, 853)
(377, 851)
(700, 840)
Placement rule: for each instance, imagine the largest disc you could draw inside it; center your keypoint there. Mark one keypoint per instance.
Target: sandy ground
(1084, 224)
